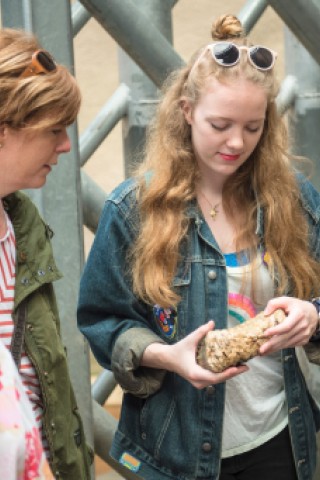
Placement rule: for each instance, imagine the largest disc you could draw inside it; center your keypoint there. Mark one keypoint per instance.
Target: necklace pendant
(214, 212)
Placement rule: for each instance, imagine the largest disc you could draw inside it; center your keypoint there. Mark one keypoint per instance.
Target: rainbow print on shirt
(241, 307)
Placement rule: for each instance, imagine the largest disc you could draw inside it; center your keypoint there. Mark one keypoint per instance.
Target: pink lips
(229, 158)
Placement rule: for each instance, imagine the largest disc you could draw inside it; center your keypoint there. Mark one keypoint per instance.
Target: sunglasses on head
(41, 62)
(228, 54)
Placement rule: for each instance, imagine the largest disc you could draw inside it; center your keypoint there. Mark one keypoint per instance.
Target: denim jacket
(168, 429)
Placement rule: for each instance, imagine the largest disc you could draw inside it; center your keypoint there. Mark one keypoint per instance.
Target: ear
(3, 131)
(186, 109)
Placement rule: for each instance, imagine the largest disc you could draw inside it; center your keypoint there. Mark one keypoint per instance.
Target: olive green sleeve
(125, 363)
(312, 350)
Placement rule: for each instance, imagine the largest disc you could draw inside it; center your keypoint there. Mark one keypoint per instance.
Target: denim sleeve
(108, 312)
(310, 199)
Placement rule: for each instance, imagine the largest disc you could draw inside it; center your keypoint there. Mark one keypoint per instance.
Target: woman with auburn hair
(38, 100)
(215, 228)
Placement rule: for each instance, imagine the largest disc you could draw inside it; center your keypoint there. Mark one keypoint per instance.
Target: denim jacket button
(206, 447)
(212, 275)
(210, 390)
(143, 435)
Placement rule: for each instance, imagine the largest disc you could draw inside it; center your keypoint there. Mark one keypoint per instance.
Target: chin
(38, 183)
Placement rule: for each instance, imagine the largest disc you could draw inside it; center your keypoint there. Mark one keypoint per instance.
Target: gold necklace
(213, 208)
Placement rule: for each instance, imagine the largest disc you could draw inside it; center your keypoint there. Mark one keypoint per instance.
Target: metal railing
(71, 198)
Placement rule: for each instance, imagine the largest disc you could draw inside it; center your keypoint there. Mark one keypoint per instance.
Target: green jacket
(35, 272)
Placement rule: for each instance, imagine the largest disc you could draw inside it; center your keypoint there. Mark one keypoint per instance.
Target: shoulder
(121, 205)
(25, 216)
(33, 238)
(123, 200)
(19, 203)
(124, 192)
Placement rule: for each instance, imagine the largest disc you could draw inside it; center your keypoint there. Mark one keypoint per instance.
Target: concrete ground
(109, 476)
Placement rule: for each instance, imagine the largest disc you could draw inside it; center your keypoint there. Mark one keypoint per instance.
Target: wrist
(155, 356)
(316, 334)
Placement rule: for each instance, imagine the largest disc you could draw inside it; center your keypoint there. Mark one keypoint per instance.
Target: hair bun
(227, 26)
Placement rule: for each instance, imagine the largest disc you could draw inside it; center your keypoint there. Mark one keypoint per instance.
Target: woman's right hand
(181, 359)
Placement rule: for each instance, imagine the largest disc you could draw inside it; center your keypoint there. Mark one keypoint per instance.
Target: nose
(64, 144)
(236, 139)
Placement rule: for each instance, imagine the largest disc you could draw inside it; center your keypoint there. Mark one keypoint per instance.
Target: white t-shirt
(255, 406)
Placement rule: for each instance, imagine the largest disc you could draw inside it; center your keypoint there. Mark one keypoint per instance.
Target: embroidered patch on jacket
(130, 462)
(166, 319)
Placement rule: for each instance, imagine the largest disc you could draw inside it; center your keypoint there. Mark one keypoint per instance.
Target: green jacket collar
(35, 264)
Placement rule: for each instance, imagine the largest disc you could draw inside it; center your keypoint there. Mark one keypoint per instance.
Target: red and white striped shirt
(7, 285)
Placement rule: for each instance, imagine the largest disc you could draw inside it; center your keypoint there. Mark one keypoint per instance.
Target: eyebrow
(227, 119)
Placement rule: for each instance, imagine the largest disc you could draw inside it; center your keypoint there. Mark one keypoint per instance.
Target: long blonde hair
(38, 101)
(266, 178)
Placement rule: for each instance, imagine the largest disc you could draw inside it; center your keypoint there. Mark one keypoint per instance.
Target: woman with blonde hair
(216, 227)
(38, 100)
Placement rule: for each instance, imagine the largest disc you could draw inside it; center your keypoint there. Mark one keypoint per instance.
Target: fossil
(229, 347)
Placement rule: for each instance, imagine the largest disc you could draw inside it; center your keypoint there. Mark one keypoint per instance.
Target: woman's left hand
(295, 330)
